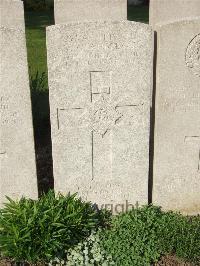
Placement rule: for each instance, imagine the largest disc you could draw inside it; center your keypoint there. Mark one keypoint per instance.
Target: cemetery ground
(74, 229)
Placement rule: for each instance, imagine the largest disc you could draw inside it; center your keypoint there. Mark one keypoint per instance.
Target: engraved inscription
(2, 154)
(100, 116)
(181, 101)
(7, 116)
(100, 82)
(2, 150)
(3, 103)
(195, 139)
(192, 56)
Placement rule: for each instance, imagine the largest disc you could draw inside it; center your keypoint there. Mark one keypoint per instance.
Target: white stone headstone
(89, 10)
(165, 11)
(100, 77)
(177, 128)
(17, 155)
(11, 13)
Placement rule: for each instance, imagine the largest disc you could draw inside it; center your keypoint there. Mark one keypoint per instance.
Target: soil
(4, 263)
(9, 263)
(165, 261)
(173, 261)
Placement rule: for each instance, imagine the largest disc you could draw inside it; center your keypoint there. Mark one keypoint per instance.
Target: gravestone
(11, 13)
(177, 127)
(164, 11)
(17, 158)
(89, 10)
(100, 76)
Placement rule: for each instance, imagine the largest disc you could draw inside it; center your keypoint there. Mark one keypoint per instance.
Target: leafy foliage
(57, 229)
(180, 235)
(41, 230)
(38, 82)
(88, 252)
(142, 235)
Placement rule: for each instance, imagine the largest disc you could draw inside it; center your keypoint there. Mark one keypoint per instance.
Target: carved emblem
(192, 56)
(101, 116)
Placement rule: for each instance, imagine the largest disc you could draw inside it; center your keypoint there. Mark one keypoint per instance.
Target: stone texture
(17, 158)
(100, 76)
(177, 129)
(165, 11)
(11, 13)
(89, 10)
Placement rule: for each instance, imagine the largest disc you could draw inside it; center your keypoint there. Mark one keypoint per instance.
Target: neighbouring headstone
(11, 13)
(164, 11)
(100, 77)
(89, 10)
(177, 122)
(17, 157)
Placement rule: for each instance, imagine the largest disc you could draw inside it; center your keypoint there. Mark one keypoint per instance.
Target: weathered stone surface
(165, 11)
(17, 158)
(11, 13)
(89, 10)
(177, 128)
(100, 76)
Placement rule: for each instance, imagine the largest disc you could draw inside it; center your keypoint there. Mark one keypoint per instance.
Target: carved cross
(101, 115)
(195, 139)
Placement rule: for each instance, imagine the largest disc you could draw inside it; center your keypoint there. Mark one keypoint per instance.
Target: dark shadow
(152, 124)
(36, 20)
(138, 13)
(39, 19)
(42, 133)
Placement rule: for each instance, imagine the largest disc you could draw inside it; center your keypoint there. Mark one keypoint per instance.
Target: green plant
(142, 235)
(60, 227)
(38, 82)
(86, 253)
(41, 230)
(180, 235)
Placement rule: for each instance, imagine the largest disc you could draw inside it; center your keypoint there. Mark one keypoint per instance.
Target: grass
(36, 22)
